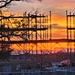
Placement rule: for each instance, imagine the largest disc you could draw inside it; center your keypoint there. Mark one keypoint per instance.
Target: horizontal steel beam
(70, 15)
(31, 16)
(71, 28)
(39, 41)
(22, 29)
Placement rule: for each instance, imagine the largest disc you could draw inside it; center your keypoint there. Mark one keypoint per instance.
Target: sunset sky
(58, 8)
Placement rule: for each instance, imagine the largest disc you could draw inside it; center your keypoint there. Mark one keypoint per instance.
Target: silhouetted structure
(30, 30)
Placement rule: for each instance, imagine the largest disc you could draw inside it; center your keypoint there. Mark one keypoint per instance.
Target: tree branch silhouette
(5, 3)
(8, 2)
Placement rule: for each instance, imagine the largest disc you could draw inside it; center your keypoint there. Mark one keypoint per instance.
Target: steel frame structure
(33, 29)
(29, 28)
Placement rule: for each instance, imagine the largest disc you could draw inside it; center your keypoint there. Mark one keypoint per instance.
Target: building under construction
(32, 34)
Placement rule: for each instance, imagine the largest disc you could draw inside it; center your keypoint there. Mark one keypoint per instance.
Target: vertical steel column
(43, 26)
(36, 30)
(50, 27)
(50, 31)
(70, 35)
(40, 25)
(67, 23)
(28, 31)
(70, 27)
(47, 29)
(67, 33)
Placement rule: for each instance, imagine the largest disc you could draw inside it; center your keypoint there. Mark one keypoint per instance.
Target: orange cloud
(59, 19)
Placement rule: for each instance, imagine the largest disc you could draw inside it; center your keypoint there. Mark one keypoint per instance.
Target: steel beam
(38, 41)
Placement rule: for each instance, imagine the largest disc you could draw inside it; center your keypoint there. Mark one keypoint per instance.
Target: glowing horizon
(57, 7)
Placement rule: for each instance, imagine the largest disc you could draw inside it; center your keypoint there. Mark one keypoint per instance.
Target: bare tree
(4, 3)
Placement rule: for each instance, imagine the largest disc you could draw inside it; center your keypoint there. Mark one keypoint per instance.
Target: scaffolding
(32, 33)
(29, 29)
